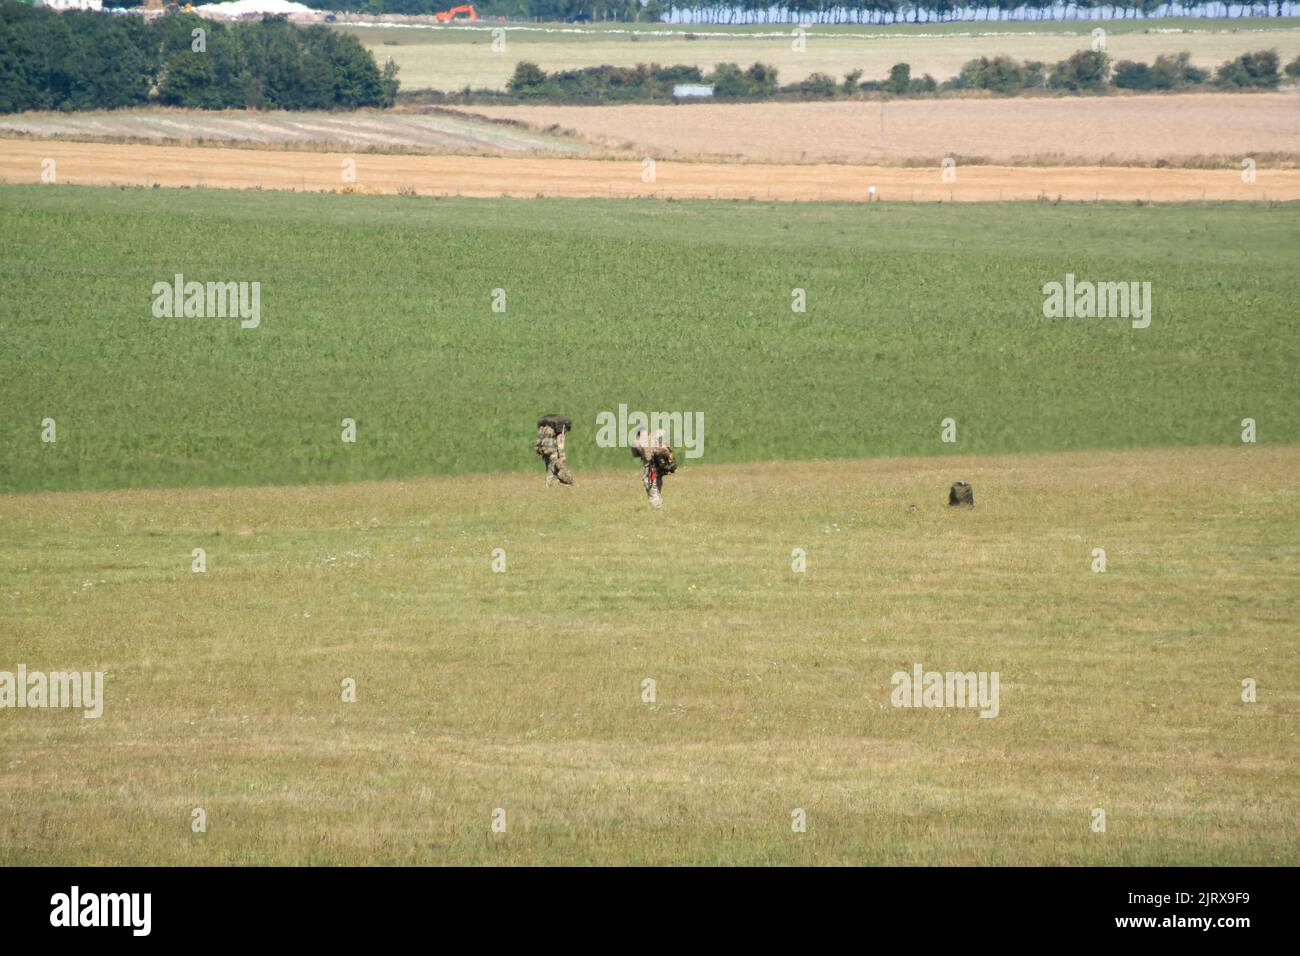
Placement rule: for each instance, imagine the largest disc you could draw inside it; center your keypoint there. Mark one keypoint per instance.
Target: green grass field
(380, 310)
(453, 58)
(522, 690)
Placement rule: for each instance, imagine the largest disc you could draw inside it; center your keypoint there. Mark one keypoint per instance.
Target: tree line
(83, 60)
(816, 11)
(1087, 71)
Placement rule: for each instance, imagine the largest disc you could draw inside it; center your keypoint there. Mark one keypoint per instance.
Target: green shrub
(1085, 71)
(728, 81)
(527, 80)
(1133, 76)
(821, 85)
(760, 79)
(1000, 74)
(925, 84)
(672, 75)
(900, 78)
(1256, 70)
(1171, 72)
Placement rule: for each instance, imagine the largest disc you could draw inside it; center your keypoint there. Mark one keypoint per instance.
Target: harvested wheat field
(1114, 130)
(433, 131)
(100, 164)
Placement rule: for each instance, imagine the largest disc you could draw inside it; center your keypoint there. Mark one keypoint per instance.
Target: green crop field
(380, 310)
(500, 634)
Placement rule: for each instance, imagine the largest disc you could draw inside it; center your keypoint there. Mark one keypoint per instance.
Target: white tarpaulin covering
(239, 8)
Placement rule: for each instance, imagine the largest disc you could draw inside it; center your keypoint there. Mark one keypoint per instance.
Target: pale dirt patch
(1089, 130)
(100, 164)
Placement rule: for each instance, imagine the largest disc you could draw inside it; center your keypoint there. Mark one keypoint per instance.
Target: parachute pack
(549, 428)
(961, 493)
(559, 423)
(659, 457)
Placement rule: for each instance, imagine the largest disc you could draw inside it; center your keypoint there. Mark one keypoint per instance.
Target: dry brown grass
(521, 690)
(1114, 130)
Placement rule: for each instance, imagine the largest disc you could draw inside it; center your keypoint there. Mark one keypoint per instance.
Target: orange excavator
(451, 14)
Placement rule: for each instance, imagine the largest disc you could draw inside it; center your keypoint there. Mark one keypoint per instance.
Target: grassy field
(453, 58)
(521, 690)
(379, 309)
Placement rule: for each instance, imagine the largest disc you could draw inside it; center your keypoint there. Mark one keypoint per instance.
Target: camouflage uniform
(551, 447)
(657, 460)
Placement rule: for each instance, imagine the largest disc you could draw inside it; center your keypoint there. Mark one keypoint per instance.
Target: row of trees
(1093, 72)
(84, 60)
(817, 11)
(900, 11)
(647, 82)
(1085, 72)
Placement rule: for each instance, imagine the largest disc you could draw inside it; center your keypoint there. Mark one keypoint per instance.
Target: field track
(221, 168)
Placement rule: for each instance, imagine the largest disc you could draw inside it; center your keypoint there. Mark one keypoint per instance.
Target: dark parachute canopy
(557, 422)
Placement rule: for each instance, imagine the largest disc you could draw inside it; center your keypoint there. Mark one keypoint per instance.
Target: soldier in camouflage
(657, 460)
(551, 430)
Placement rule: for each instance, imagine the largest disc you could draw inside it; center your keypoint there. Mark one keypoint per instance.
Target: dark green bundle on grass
(961, 494)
